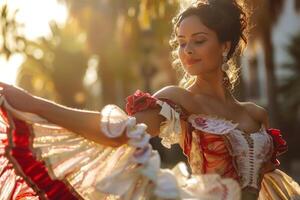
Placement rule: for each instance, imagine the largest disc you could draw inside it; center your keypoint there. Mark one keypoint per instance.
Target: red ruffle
(8, 175)
(280, 145)
(35, 171)
(216, 156)
(139, 101)
(21, 189)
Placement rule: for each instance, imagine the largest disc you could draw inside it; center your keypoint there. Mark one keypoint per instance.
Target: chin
(194, 71)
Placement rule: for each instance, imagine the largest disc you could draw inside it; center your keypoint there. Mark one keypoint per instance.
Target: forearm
(83, 122)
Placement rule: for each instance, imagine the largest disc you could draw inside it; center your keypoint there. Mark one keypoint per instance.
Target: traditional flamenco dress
(40, 160)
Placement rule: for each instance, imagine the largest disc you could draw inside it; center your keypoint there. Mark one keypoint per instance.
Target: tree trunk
(253, 76)
(270, 76)
(108, 83)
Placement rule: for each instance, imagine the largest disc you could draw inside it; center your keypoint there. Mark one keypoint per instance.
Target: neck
(212, 85)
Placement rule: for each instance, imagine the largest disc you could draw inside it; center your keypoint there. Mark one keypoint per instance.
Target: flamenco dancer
(48, 151)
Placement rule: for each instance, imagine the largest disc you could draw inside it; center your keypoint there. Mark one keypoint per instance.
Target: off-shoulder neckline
(228, 121)
(215, 117)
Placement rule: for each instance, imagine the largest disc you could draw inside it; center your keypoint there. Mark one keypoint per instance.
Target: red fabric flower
(280, 145)
(201, 122)
(139, 101)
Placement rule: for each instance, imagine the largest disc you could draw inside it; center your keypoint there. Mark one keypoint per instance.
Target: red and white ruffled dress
(40, 160)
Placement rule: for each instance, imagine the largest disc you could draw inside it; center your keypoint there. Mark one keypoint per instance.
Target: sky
(35, 15)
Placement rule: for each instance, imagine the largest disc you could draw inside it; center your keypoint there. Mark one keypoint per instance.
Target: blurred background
(86, 54)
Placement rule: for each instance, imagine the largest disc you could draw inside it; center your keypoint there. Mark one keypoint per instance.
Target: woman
(228, 140)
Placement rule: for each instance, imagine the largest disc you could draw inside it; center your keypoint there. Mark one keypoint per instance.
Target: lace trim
(212, 124)
(170, 130)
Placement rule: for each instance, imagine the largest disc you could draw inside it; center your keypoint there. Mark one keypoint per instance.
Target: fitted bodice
(215, 145)
(218, 146)
(212, 144)
(251, 152)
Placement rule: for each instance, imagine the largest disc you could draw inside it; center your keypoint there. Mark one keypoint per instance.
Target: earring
(225, 65)
(226, 81)
(225, 68)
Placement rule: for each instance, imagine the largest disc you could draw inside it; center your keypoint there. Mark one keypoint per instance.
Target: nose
(188, 49)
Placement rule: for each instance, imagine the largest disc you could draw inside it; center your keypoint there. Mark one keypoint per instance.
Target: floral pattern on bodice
(248, 151)
(215, 145)
(211, 124)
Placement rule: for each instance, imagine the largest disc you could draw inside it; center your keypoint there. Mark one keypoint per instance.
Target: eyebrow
(194, 34)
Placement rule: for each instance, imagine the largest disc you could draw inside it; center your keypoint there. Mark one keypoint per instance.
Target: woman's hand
(18, 98)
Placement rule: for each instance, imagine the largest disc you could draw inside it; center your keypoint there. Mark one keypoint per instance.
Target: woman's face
(199, 48)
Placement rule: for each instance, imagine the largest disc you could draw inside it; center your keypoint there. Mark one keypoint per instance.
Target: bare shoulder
(172, 92)
(259, 113)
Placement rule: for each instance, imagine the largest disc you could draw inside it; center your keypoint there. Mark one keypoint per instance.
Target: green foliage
(11, 38)
(129, 37)
(55, 67)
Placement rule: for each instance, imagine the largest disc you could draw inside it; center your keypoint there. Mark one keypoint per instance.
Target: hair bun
(223, 4)
(218, 2)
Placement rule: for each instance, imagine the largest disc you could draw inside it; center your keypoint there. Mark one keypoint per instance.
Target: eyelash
(200, 42)
(196, 42)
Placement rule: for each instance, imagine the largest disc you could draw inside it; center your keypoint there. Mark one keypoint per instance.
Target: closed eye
(182, 44)
(200, 42)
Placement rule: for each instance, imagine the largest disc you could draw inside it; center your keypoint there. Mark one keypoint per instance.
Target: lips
(192, 61)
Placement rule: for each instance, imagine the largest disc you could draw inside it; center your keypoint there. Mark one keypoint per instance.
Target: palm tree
(265, 15)
(290, 97)
(55, 67)
(297, 5)
(291, 85)
(131, 40)
(124, 34)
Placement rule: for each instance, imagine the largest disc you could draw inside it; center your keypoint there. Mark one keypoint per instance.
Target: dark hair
(226, 17)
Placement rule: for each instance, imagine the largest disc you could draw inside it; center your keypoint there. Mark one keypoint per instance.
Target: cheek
(182, 56)
(180, 53)
(210, 54)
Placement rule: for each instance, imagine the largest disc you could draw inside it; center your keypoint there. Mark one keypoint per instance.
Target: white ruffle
(170, 129)
(211, 124)
(114, 121)
(212, 186)
(130, 172)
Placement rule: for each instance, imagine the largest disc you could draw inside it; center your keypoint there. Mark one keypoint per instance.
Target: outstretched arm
(84, 122)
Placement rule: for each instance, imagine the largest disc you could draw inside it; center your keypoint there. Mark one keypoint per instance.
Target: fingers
(1, 91)
(4, 85)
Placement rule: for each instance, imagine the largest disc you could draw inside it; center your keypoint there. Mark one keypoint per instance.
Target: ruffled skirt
(40, 160)
(277, 185)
